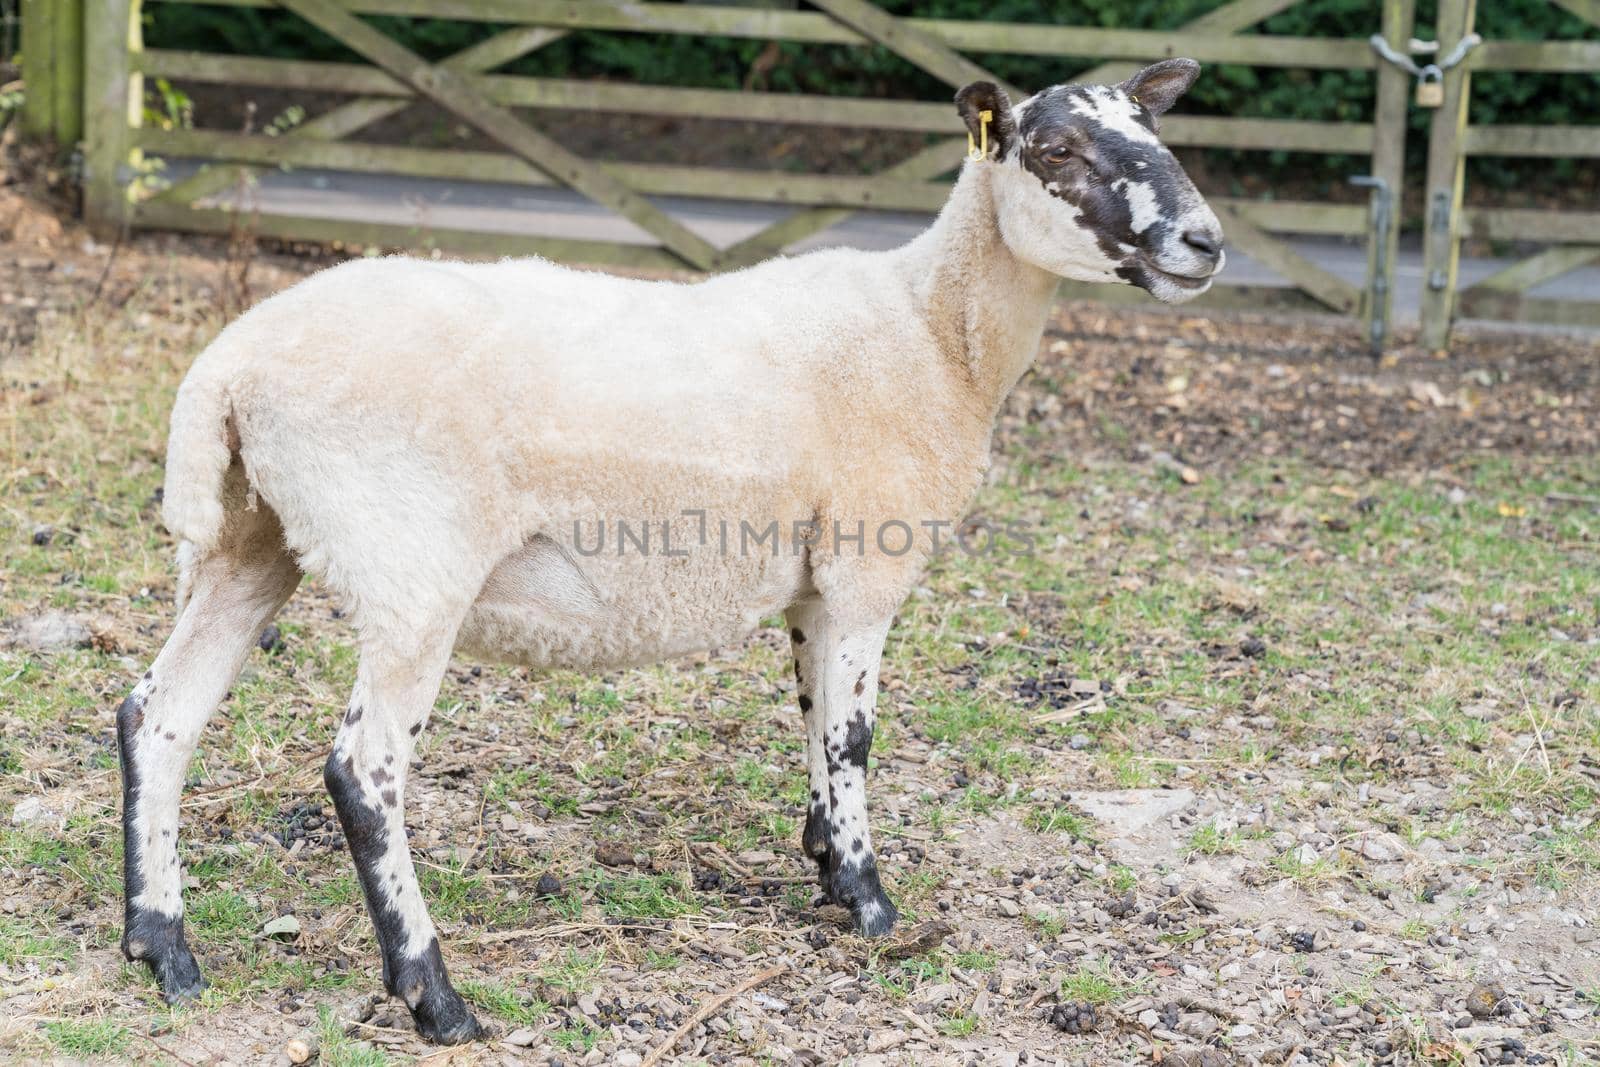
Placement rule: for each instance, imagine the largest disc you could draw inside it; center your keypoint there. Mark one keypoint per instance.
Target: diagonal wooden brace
(450, 90)
(912, 44)
(355, 115)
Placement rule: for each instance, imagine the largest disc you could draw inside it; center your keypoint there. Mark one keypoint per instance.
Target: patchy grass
(1289, 628)
(1096, 984)
(87, 1037)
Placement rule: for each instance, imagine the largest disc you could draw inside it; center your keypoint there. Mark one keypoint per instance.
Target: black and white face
(1084, 188)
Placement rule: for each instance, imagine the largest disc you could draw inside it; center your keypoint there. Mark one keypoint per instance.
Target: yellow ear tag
(977, 152)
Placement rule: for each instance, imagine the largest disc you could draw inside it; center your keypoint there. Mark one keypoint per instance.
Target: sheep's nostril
(1203, 241)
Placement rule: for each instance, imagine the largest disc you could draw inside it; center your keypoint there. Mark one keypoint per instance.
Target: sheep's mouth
(1182, 281)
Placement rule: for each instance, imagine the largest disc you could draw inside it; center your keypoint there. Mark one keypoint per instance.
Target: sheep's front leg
(839, 667)
(366, 776)
(807, 618)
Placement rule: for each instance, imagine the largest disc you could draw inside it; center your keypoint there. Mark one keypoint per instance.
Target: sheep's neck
(984, 306)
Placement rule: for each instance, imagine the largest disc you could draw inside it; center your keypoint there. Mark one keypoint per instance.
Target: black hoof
(453, 1027)
(159, 942)
(856, 887)
(876, 917)
(441, 1016)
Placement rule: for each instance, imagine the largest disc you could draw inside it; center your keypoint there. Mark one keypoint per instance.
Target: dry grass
(1288, 638)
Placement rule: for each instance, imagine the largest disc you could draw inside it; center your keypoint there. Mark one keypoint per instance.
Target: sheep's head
(1085, 189)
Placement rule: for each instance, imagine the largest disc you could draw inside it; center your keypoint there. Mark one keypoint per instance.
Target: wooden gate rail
(466, 84)
(1574, 236)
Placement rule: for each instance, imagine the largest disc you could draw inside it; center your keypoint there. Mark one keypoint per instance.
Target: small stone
(1484, 998)
(547, 886)
(611, 854)
(757, 858)
(271, 639)
(297, 1050)
(1253, 647)
(884, 1040)
(1382, 848)
(284, 927)
(33, 811)
(43, 533)
(1008, 907)
(49, 631)
(627, 1058)
(521, 1037)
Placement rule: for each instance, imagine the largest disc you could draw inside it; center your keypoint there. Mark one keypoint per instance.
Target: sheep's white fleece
(441, 440)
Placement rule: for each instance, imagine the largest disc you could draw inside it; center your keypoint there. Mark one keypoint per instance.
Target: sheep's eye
(1057, 156)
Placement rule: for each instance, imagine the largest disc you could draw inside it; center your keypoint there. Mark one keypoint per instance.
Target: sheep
(439, 441)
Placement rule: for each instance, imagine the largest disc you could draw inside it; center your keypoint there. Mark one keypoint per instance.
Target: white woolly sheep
(440, 443)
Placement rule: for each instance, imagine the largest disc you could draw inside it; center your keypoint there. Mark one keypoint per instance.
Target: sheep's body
(566, 469)
(544, 406)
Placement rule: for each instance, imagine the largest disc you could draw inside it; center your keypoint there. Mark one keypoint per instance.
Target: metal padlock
(1430, 87)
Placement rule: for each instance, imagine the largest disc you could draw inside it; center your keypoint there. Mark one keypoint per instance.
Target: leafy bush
(1326, 95)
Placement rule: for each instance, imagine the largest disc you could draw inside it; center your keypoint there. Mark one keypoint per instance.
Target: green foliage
(726, 63)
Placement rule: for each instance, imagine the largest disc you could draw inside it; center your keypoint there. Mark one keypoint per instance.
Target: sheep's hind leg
(366, 776)
(846, 689)
(233, 593)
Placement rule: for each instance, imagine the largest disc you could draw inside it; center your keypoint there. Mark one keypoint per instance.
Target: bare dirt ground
(1280, 748)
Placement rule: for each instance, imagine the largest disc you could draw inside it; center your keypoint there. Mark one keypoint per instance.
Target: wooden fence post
(67, 58)
(1391, 112)
(52, 70)
(113, 104)
(1441, 248)
(38, 70)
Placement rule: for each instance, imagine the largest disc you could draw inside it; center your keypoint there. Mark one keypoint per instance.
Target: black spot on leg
(815, 842)
(797, 637)
(170, 736)
(816, 794)
(857, 845)
(805, 702)
(797, 675)
(380, 776)
(861, 683)
(130, 718)
(388, 759)
(857, 741)
(416, 728)
(352, 716)
(390, 798)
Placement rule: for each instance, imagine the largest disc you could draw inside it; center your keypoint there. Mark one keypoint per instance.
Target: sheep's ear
(1158, 86)
(979, 97)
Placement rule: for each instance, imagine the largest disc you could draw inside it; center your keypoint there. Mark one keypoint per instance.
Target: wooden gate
(393, 78)
(1573, 236)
